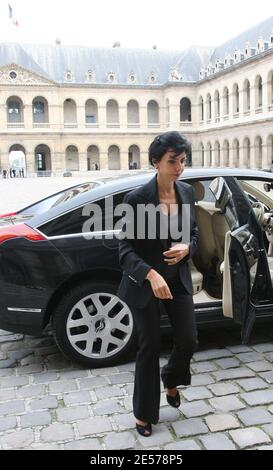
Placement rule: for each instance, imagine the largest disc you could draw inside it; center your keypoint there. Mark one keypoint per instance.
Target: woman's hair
(173, 141)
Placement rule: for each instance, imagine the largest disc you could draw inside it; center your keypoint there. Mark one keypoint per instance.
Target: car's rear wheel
(92, 326)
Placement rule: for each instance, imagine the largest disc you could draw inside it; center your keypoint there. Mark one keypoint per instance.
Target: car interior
(207, 265)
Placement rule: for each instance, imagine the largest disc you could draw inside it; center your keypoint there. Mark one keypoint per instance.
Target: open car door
(246, 277)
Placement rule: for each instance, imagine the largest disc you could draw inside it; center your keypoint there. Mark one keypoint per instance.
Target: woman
(156, 269)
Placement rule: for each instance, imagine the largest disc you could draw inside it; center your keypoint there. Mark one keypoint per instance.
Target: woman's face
(171, 166)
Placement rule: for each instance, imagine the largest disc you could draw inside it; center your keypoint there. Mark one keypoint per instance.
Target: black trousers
(146, 398)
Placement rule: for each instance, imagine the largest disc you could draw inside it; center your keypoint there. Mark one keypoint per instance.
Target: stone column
(124, 160)
(3, 115)
(123, 117)
(54, 117)
(242, 156)
(222, 154)
(81, 115)
(252, 155)
(174, 115)
(195, 113)
(82, 161)
(102, 116)
(30, 162)
(162, 115)
(27, 116)
(221, 104)
(206, 158)
(265, 96)
(104, 160)
(241, 100)
(252, 98)
(144, 159)
(143, 116)
(213, 157)
(4, 159)
(265, 162)
(212, 109)
(233, 155)
(58, 156)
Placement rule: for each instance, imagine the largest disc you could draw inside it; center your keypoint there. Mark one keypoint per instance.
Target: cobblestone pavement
(46, 402)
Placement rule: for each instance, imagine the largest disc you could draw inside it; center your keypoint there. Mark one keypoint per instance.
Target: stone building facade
(78, 108)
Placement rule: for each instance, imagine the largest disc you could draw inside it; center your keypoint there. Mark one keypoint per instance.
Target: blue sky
(171, 24)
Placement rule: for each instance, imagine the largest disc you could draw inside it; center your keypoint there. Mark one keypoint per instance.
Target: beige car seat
(220, 228)
(197, 278)
(206, 245)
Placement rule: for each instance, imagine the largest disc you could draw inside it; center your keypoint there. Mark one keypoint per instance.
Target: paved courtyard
(16, 193)
(47, 402)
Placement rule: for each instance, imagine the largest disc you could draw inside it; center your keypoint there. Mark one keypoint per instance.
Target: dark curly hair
(171, 140)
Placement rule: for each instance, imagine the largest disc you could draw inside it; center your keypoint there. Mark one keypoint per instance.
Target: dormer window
(247, 50)
(174, 75)
(227, 60)
(132, 77)
(152, 77)
(90, 76)
(260, 45)
(218, 65)
(68, 76)
(237, 55)
(211, 69)
(111, 77)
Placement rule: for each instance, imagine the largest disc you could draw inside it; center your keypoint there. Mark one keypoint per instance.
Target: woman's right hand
(158, 284)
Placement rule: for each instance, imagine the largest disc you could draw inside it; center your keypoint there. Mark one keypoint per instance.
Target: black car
(54, 269)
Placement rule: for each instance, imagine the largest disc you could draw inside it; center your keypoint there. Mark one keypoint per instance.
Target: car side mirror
(268, 187)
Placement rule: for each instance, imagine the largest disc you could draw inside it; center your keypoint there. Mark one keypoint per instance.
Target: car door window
(57, 199)
(74, 222)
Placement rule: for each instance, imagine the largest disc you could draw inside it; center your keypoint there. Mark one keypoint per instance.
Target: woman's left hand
(176, 253)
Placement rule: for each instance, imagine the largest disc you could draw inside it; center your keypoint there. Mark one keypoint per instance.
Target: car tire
(89, 331)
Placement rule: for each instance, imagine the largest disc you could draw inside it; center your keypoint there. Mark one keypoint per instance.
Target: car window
(57, 199)
(255, 189)
(75, 221)
(208, 194)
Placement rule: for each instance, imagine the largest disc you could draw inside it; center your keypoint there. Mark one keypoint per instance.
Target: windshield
(57, 199)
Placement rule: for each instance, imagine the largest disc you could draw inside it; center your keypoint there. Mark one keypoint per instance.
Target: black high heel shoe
(174, 401)
(144, 430)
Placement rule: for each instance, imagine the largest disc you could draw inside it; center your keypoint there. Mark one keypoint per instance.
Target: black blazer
(138, 256)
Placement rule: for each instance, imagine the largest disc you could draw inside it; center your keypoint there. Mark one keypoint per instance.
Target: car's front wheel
(92, 326)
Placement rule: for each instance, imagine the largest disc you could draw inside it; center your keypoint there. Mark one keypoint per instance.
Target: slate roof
(53, 61)
(252, 35)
